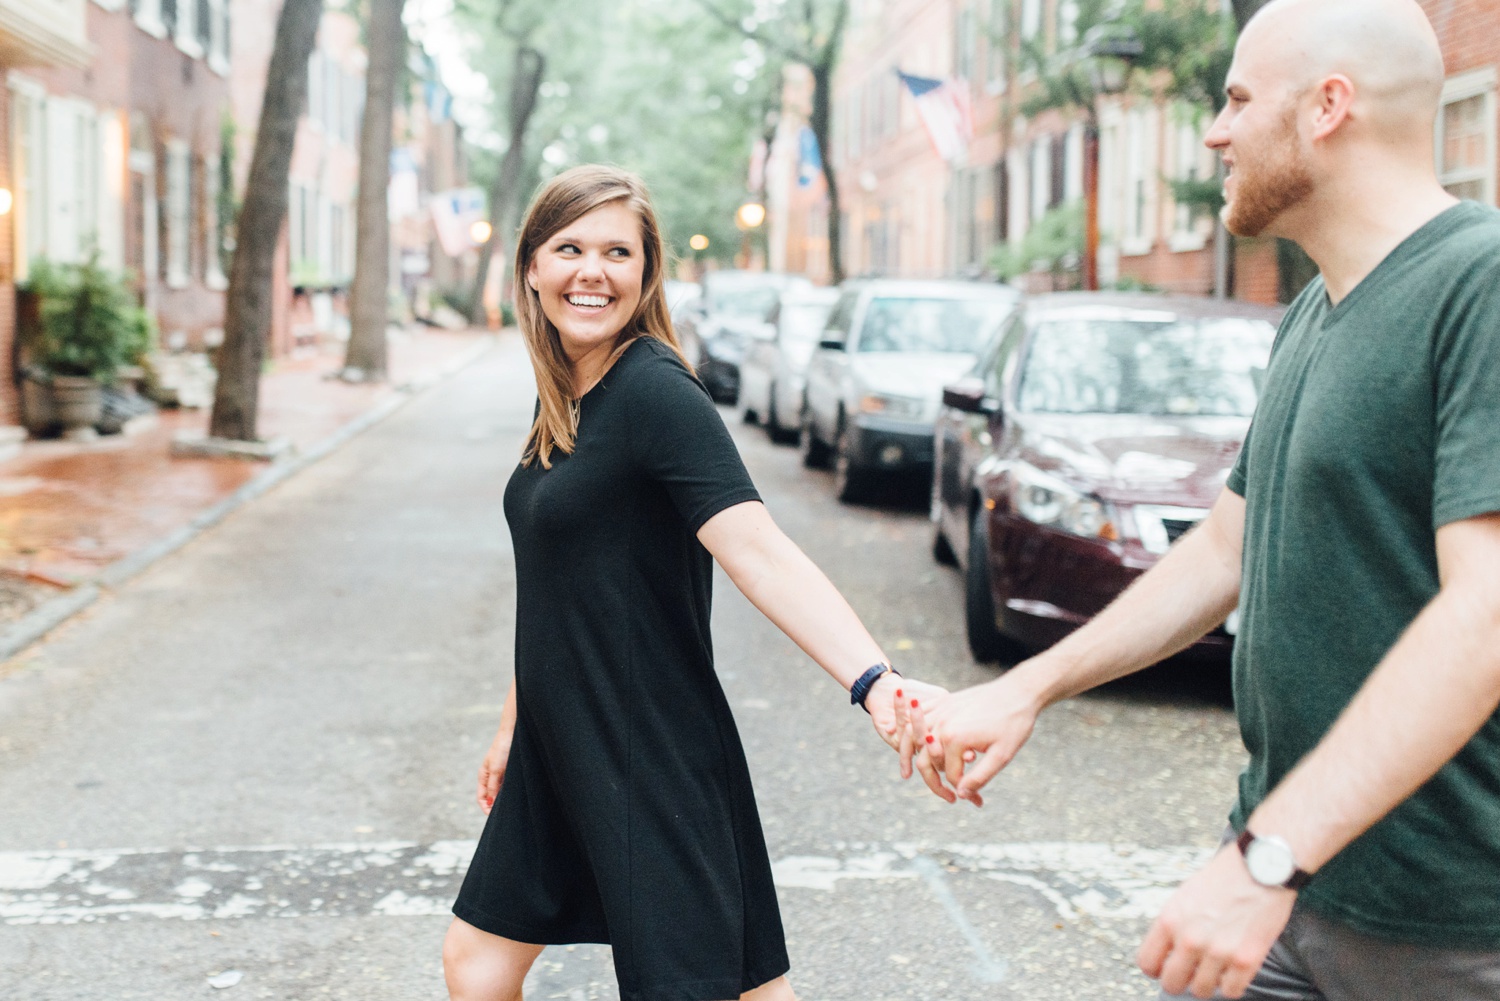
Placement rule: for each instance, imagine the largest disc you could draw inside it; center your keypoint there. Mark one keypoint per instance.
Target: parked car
(875, 383)
(774, 370)
(717, 328)
(1093, 433)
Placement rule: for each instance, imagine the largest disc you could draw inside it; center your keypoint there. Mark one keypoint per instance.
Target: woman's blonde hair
(566, 198)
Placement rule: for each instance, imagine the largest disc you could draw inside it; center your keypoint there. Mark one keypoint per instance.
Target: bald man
(1360, 539)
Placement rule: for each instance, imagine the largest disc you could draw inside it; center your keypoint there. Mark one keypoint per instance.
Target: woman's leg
(777, 990)
(483, 967)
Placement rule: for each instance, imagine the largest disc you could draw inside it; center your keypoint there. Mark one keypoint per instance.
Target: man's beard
(1278, 180)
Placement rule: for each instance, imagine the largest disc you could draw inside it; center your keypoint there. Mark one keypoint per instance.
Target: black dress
(626, 815)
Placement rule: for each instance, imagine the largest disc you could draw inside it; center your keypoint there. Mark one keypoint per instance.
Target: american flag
(946, 113)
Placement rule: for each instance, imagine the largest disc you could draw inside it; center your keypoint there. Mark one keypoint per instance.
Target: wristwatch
(1271, 862)
(862, 685)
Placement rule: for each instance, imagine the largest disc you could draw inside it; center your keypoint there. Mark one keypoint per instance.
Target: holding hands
(983, 726)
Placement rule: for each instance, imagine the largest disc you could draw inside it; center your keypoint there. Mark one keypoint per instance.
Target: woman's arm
(492, 768)
(793, 593)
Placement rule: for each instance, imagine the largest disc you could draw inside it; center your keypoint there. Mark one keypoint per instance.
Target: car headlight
(902, 407)
(1046, 500)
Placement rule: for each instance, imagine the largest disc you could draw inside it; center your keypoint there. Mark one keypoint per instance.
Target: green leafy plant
(89, 324)
(1054, 243)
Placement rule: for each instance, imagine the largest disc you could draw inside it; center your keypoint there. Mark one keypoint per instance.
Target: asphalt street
(249, 773)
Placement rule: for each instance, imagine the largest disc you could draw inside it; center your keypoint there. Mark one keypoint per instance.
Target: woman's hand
(888, 693)
(989, 722)
(492, 768)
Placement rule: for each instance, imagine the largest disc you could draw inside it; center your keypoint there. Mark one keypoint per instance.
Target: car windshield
(801, 327)
(744, 300)
(1167, 367)
(948, 326)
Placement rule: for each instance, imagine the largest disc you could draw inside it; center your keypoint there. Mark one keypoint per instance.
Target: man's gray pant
(1321, 960)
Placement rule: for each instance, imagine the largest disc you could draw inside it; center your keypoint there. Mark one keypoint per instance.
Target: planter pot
(78, 403)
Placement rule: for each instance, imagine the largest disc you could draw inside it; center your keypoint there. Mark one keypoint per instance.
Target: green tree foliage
(672, 96)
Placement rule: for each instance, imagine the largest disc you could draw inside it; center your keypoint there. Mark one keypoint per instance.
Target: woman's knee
(483, 967)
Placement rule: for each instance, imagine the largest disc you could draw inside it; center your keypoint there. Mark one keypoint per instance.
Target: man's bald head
(1386, 48)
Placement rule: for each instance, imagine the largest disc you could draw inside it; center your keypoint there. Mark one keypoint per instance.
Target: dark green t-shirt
(1379, 423)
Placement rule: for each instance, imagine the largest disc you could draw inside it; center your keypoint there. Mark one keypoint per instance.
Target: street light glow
(698, 241)
(480, 232)
(750, 215)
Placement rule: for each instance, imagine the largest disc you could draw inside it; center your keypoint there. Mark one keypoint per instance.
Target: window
(997, 40)
(213, 225)
(56, 158)
(216, 36)
(1192, 161)
(963, 37)
(315, 87)
(179, 212)
(1140, 183)
(186, 28)
(1031, 19)
(1073, 165)
(1466, 136)
(1018, 219)
(150, 15)
(1041, 177)
(1067, 23)
(29, 173)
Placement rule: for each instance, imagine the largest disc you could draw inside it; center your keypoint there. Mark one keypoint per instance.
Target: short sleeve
(1238, 476)
(1466, 373)
(680, 440)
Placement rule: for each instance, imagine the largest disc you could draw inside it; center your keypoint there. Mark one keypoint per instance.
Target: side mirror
(969, 395)
(831, 343)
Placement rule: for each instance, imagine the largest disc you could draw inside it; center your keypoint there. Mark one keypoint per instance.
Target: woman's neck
(589, 367)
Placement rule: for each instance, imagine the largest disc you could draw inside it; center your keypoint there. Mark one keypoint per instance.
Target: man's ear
(1334, 99)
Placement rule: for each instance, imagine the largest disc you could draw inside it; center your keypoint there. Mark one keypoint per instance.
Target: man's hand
(1216, 930)
(992, 720)
(889, 691)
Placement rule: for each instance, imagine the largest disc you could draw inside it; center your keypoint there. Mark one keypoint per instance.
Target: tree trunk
(247, 304)
(525, 81)
(821, 123)
(369, 293)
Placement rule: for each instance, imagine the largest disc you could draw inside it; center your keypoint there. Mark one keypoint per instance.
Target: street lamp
(480, 232)
(748, 218)
(698, 242)
(1111, 48)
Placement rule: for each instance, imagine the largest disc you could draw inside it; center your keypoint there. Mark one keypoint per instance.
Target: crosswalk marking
(407, 878)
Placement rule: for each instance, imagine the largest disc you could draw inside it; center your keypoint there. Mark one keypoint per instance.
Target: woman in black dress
(619, 800)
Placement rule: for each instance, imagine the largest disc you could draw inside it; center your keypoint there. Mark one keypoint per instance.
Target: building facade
(35, 36)
(123, 157)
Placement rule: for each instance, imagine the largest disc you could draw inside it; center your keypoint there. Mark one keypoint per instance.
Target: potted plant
(86, 326)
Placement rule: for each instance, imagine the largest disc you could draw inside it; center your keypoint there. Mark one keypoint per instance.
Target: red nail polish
(898, 693)
(929, 738)
(914, 703)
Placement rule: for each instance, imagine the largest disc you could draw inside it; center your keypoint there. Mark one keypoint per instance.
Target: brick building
(34, 34)
(908, 213)
(122, 154)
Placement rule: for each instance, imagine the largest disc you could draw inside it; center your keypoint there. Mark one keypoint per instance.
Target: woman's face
(588, 276)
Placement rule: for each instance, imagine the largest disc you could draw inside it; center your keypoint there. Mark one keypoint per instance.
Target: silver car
(774, 370)
(875, 384)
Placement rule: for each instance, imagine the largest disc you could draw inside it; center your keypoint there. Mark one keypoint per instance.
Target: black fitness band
(860, 690)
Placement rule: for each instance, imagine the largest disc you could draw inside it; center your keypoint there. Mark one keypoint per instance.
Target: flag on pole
(946, 114)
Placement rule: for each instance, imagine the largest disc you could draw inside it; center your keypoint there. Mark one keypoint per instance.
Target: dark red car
(1095, 431)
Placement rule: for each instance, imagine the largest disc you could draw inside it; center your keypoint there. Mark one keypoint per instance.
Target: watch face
(1270, 861)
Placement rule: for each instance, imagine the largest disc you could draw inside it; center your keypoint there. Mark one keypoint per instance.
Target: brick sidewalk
(69, 510)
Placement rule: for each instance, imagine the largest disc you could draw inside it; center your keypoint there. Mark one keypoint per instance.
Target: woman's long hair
(566, 198)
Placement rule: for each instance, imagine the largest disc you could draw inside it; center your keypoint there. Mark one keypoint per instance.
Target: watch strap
(1296, 881)
(860, 690)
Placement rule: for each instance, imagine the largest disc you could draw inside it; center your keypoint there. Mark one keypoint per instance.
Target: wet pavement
(68, 510)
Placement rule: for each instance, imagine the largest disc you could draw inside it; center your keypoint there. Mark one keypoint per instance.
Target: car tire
(774, 430)
(986, 642)
(814, 452)
(942, 549)
(850, 482)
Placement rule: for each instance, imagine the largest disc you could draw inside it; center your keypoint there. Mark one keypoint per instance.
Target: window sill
(177, 281)
(1136, 247)
(190, 47)
(151, 26)
(216, 282)
(1183, 243)
(219, 63)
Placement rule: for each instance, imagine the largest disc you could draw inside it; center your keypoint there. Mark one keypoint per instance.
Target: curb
(47, 616)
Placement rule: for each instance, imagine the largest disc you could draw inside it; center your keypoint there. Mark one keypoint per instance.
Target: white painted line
(986, 969)
(408, 878)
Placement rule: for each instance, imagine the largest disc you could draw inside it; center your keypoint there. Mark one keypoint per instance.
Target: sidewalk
(69, 511)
